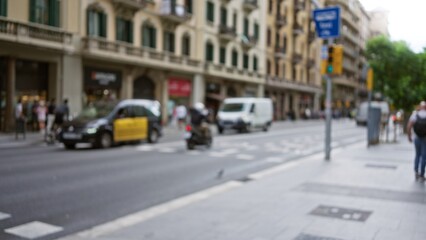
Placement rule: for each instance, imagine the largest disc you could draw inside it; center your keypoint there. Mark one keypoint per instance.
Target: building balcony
(280, 52)
(126, 53)
(280, 21)
(350, 20)
(312, 37)
(297, 29)
(274, 82)
(297, 58)
(250, 5)
(174, 13)
(299, 6)
(222, 71)
(350, 52)
(134, 4)
(311, 63)
(349, 66)
(249, 42)
(227, 33)
(351, 37)
(36, 35)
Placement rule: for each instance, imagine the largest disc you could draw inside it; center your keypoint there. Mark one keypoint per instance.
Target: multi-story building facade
(293, 58)
(379, 22)
(349, 88)
(175, 51)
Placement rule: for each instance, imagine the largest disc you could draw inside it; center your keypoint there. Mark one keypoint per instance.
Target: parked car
(105, 123)
(245, 114)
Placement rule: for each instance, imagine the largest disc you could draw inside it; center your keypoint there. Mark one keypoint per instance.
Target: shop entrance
(101, 84)
(144, 88)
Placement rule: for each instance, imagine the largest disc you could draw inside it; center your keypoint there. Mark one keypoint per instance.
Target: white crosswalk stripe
(4, 216)
(245, 157)
(33, 230)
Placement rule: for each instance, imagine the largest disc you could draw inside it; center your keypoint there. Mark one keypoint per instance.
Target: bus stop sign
(327, 22)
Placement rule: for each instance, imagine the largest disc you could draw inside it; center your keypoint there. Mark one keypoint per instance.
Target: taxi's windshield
(96, 110)
(232, 107)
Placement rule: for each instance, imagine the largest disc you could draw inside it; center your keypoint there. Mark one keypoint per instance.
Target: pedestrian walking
(417, 123)
(51, 109)
(19, 119)
(181, 113)
(41, 116)
(34, 116)
(62, 113)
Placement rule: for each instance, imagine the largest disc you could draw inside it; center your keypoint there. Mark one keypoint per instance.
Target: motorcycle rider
(199, 119)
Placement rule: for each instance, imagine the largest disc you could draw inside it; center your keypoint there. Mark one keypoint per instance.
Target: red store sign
(179, 87)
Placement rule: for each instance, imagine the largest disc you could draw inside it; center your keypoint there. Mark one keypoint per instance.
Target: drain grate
(341, 213)
(381, 166)
(313, 237)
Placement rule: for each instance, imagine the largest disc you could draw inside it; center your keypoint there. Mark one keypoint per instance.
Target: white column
(198, 89)
(72, 82)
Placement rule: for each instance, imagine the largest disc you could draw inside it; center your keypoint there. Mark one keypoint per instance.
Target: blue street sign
(327, 22)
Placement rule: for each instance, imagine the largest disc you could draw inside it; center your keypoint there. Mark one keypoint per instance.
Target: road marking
(245, 157)
(167, 150)
(193, 152)
(216, 154)
(274, 160)
(153, 212)
(33, 230)
(145, 148)
(4, 216)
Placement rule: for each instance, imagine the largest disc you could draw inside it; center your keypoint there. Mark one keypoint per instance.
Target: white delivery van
(245, 114)
(362, 112)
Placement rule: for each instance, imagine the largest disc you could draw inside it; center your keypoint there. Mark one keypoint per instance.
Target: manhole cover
(313, 237)
(341, 213)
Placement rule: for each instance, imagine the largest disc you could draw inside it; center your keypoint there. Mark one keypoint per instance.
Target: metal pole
(328, 119)
(328, 116)
(369, 132)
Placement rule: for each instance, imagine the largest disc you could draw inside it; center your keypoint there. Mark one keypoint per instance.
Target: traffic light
(370, 79)
(337, 59)
(334, 62)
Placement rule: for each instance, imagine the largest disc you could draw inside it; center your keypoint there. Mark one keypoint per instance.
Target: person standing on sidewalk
(417, 122)
(20, 119)
(51, 109)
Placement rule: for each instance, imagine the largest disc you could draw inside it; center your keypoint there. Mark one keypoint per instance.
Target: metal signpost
(327, 22)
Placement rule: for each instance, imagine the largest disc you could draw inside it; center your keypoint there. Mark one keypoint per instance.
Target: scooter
(193, 138)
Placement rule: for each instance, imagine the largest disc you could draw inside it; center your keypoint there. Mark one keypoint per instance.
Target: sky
(406, 20)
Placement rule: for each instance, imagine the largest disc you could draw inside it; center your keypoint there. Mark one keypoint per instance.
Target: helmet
(199, 106)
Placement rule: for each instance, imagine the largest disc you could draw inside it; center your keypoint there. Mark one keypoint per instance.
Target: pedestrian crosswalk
(270, 151)
(30, 230)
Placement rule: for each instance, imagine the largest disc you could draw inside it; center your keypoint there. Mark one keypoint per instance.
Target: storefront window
(101, 84)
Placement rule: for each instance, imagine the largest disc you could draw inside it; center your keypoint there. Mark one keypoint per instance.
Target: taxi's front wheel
(153, 136)
(104, 140)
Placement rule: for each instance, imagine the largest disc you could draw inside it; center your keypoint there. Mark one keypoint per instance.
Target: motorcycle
(194, 137)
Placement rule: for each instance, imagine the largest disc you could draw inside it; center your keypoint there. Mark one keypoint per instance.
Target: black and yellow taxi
(104, 124)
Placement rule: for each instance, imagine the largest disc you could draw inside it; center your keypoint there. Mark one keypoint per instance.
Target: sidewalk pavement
(360, 194)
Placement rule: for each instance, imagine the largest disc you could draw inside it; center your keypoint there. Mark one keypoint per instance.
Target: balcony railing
(312, 37)
(227, 33)
(250, 5)
(297, 28)
(249, 41)
(232, 72)
(281, 21)
(297, 58)
(280, 52)
(292, 85)
(136, 4)
(311, 63)
(133, 54)
(299, 6)
(174, 13)
(36, 34)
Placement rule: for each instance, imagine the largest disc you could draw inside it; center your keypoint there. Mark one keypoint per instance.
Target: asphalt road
(75, 190)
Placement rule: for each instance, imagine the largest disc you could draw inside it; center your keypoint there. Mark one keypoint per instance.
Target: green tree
(399, 73)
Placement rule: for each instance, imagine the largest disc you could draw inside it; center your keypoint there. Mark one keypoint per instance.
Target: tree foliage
(399, 73)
